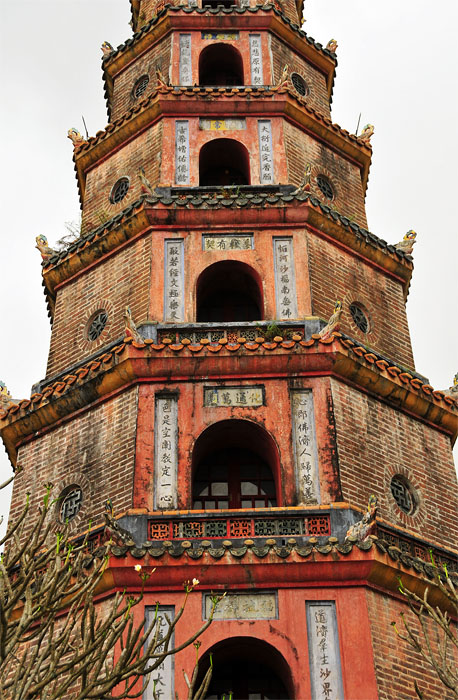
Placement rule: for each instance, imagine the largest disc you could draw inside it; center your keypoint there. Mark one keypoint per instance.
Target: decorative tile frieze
(182, 152)
(243, 606)
(256, 59)
(166, 452)
(234, 396)
(324, 652)
(305, 448)
(174, 280)
(285, 280)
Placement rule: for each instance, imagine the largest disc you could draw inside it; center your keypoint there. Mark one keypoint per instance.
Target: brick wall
(282, 55)
(123, 97)
(143, 151)
(344, 177)
(397, 665)
(374, 443)
(95, 450)
(123, 279)
(335, 274)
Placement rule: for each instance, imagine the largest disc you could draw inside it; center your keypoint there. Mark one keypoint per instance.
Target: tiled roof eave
(124, 364)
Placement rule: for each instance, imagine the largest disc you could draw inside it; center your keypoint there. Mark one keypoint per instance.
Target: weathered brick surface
(374, 443)
(143, 151)
(123, 97)
(95, 450)
(282, 55)
(344, 176)
(335, 274)
(397, 665)
(122, 279)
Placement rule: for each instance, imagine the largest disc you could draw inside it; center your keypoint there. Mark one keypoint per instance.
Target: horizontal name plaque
(243, 606)
(228, 241)
(232, 124)
(220, 36)
(234, 396)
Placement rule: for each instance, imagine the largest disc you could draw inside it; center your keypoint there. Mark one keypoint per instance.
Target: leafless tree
(436, 640)
(55, 641)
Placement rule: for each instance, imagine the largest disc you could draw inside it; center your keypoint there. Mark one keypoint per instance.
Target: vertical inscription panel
(324, 652)
(182, 152)
(256, 59)
(166, 452)
(174, 280)
(305, 448)
(285, 281)
(266, 164)
(162, 678)
(185, 60)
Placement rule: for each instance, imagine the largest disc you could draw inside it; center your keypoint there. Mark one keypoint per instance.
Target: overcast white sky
(397, 66)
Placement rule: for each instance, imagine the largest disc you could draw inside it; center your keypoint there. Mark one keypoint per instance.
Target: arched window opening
(223, 162)
(220, 64)
(247, 668)
(229, 291)
(234, 463)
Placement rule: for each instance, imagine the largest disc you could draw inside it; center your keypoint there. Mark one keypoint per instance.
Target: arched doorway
(220, 64)
(223, 162)
(235, 465)
(229, 291)
(248, 668)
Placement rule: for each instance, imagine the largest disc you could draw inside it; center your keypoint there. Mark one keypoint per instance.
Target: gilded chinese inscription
(173, 283)
(285, 281)
(220, 36)
(324, 654)
(234, 396)
(305, 448)
(244, 606)
(165, 448)
(229, 124)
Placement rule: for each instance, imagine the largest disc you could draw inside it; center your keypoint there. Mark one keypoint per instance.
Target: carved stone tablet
(305, 448)
(234, 396)
(243, 606)
(324, 652)
(173, 282)
(165, 451)
(256, 59)
(228, 241)
(182, 152)
(285, 279)
(163, 675)
(229, 124)
(266, 163)
(185, 60)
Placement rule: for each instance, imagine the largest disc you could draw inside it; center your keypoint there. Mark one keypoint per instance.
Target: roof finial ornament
(6, 399)
(407, 243)
(365, 135)
(76, 138)
(107, 49)
(43, 247)
(284, 77)
(364, 527)
(333, 324)
(130, 330)
(146, 186)
(161, 81)
(306, 180)
(453, 390)
(332, 45)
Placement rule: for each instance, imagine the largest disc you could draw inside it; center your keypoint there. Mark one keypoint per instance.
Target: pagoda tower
(193, 377)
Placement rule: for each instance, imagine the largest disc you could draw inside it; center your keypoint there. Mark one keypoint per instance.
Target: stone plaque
(256, 59)
(324, 653)
(266, 163)
(285, 280)
(182, 152)
(220, 36)
(234, 396)
(166, 452)
(173, 280)
(228, 241)
(162, 678)
(185, 60)
(243, 606)
(222, 124)
(305, 449)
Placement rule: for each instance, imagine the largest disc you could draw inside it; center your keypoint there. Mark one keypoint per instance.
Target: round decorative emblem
(359, 317)
(325, 186)
(140, 86)
(97, 324)
(299, 84)
(403, 494)
(71, 500)
(119, 190)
